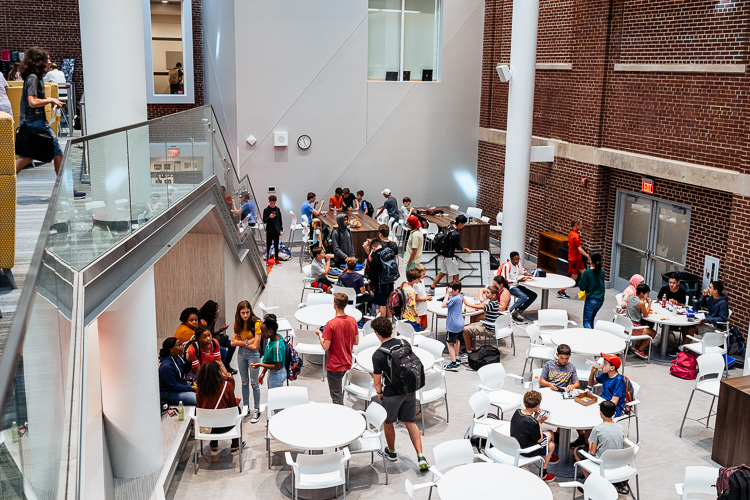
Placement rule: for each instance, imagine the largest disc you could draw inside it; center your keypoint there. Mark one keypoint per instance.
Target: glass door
(650, 239)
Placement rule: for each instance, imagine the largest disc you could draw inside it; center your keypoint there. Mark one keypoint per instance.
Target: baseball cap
(386, 191)
(613, 358)
(413, 221)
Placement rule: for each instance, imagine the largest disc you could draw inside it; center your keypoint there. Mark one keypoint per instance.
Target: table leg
(564, 468)
(661, 356)
(545, 298)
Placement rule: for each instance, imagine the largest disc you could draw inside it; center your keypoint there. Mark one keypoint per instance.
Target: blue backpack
(292, 362)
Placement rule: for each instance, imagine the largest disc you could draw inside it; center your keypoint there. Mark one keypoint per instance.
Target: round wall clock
(304, 142)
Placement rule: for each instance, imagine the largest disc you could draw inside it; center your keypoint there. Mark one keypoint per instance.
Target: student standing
(389, 205)
(448, 263)
(576, 253)
(338, 337)
(410, 296)
(422, 297)
(246, 337)
(273, 358)
(274, 228)
(592, 282)
(413, 252)
(454, 323)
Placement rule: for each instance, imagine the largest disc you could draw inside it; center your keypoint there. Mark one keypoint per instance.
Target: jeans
(335, 387)
(524, 298)
(276, 378)
(272, 239)
(244, 358)
(174, 398)
(590, 308)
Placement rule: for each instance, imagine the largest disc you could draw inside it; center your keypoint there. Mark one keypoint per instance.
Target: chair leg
(195, 458)
(385, 468)
(513, 342)
(421, 410)
(523, 372)
(637, 430)
(240, 451)
(710, 409)
(686, 411)
(637, 487)
(447, 415)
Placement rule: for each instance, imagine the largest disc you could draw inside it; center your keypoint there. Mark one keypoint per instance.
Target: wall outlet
(271, 189)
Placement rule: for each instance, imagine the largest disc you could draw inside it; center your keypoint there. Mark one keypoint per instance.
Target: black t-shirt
(349, 200)
(525, 429)
(381, 363)
(680, 296)
(32, 86)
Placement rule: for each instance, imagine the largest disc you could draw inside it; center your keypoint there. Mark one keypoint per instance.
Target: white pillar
(130, 381)
(520, 119)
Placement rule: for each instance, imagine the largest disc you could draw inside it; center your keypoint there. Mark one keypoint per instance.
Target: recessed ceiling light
(164, 1)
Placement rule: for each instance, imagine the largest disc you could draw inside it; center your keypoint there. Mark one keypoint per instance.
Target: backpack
(370, 209)
(441, 241)
(629, 391)
(174, 76)
(407, 373)
(684, 366)
(284, 253)
(396, 302)
(485, 355)
(389, 272)
(292, 362)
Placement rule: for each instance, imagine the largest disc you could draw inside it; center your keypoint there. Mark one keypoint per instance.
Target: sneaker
(562, 295)
(623, 488)
(463, 357)
(580, 490)
(452, 367)
(214, 445)
(423, 465)
(640, 354)
(389, 454)
(554, 459)
(431, 291)
(256, 416)
(548, 478)
(79, 194)
(518, 317)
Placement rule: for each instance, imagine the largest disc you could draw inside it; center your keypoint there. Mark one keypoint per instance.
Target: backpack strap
(221, 395)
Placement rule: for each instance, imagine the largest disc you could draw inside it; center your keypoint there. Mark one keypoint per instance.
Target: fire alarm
(584, 181)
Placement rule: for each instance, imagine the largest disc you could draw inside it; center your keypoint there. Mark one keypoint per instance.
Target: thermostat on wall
(280, 139)
(271, 189)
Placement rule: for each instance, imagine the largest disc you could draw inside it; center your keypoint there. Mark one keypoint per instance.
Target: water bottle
(14, 432)
(664, 301)
(691, 314)
(181, 412)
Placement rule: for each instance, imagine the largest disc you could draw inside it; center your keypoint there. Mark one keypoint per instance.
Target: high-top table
(549, 282)
(668, 319)
(367, 230)
(491, 480)
(474, 236)
(588, 341)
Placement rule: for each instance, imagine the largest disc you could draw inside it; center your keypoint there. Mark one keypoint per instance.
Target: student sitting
(605, 436)
(560, 374)
(352, 279)
(189, 318)
(203, 349)
(247, 209)
(336, 202)
(486, 327)
(613, 384)
(350, 201)
(319, 270)
(406, 209)
(173, 370)
(214, 391)
(364, 206)
(526, 428)
(638, 308)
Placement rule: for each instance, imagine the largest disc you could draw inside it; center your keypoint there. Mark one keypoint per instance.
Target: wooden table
(368, 230)
(474, 236)
(731, 444)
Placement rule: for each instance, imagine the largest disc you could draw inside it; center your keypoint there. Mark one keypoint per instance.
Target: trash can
(689, 282)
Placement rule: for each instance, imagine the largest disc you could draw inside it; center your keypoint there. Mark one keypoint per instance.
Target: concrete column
(130, 382)
(520, 119)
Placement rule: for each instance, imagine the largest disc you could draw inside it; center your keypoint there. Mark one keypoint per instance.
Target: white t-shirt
(55, 76)
(421, 292)
(404, 211)
(510, 272)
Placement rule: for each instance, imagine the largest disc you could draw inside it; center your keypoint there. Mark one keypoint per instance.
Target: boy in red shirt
(338, 337)
(575, 255)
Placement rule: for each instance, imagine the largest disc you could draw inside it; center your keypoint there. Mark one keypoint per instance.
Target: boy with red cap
(413, 252)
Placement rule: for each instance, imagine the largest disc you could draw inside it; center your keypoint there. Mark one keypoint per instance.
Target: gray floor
(662, 459)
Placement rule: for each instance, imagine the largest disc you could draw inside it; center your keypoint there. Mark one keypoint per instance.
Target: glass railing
(136, 174)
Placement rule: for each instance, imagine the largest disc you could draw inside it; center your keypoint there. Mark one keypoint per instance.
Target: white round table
(308, 426)
(588, 341)
(549, 282)
(668, 319)
(435, 307)
(364, 358)
(323, 313)
(491, 480)
(567, 415)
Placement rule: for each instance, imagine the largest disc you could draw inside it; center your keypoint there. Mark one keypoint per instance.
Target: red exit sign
(647, 186)
(174, 152)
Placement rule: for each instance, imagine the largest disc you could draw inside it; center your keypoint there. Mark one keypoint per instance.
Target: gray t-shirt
(318, 269)
(559, 376)
(391, 207)
(32, 86)
(634, 314)
(607, 436)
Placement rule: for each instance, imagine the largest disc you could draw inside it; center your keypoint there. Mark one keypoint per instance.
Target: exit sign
(174, 152)
(647, 186)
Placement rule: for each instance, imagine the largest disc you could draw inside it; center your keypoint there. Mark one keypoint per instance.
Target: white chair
(504, 449)
(349, 292)
(371, 441)
(492, 381)
(436, 348)
(366, 341)
(629, 338)
(632, 410)
(307, 283)
(536, 350)
(452, 454)
(284, 324)
(708, 380)
(503, 329)
(304, 251)
(411, 488)
(317, 299)
(499, 219)
(315, 472)
(582, 368)
(294, 226)
(404, 329)
(481, 424)
(434, 390)
(454, 207)
(595, 488)
(359, 385)
(711, 343)
(367, 328)
(485, 219)
(429, 235)
(474, 212)
(613, 465)
(223, 417)
(699, 480)
(308, 342)
(278, 399)
(615, 329)
(617, 311)
(550, 321)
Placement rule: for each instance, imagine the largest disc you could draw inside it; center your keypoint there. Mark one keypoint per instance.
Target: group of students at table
(193, 371)
(561, 375)
(637, 306)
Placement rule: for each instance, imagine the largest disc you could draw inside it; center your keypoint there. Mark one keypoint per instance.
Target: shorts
(542, 452)
(705, 328)
(640, 325)
(381, 293)
(448, 265)
(478, 329)
(575, 266)
(452, 337)
(423, 321)
(400, 407)
(41, 126)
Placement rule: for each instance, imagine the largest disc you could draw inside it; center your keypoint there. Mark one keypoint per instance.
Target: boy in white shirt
(406, 209)
(422, 297)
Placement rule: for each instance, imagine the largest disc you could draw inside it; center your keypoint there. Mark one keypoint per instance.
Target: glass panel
(384, 40)
(166, 47)
(631, 263)
(636, 222)
(420, 26)
(672, 233)
(661, 267)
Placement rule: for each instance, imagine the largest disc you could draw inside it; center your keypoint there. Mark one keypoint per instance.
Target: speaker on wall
(426, 75)
(407, 76)
(391, 76)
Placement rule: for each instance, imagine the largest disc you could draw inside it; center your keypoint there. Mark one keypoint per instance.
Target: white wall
(302, 68)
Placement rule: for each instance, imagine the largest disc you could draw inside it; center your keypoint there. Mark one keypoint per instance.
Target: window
(168, 32)
(403, 40)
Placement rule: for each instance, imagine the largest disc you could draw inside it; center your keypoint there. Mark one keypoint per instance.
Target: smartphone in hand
(223, 328)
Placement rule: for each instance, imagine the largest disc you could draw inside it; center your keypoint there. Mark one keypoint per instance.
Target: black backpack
(370, 209)
(442, 241)
(407, 373)
(485, 355)
(389, 272)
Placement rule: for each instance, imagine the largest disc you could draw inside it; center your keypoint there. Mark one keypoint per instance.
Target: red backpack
(396, 302)
(684, 366)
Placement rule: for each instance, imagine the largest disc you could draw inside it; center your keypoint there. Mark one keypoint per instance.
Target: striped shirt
(491, 312)
(214, 354)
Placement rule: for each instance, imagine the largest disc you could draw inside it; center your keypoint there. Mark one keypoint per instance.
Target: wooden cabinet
(553, 252)
(731, 445)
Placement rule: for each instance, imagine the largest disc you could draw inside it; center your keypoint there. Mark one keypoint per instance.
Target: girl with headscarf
(635, 280)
